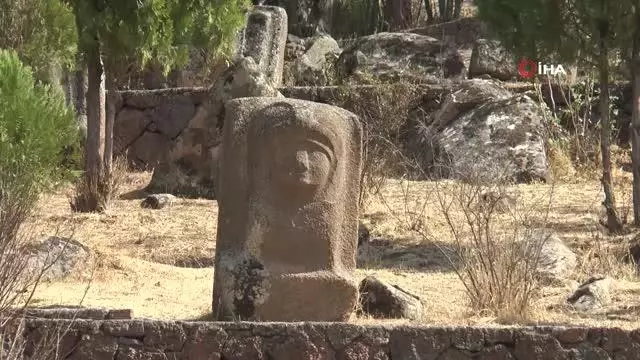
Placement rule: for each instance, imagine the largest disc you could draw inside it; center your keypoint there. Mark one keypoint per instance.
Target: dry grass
(138, 247)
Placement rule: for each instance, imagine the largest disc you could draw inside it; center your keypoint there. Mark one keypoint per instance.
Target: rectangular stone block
(264, 39)
(288, 211)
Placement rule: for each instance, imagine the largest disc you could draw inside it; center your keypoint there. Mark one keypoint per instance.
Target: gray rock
(382, 300)
(316, 67)
(592, 294)
(157, 201)
(174, 116)
(146, 151)
(555, 260)
(489, 57)
(390, 57)
(55, 257)
(482, 132)
(496, 201)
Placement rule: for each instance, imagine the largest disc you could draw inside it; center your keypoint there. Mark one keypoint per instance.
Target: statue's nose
(302, 161)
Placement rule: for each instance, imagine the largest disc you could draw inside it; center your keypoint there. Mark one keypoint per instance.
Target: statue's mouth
(301, 177)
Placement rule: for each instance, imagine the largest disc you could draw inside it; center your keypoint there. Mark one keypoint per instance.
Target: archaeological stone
(288, 211)
(264, 39)
(188, 167)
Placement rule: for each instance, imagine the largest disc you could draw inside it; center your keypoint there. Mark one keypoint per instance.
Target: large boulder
(485, 132)
(190, 167)
(490, 58)
(55, 258)
(555, 260)
(391, 57)
(314, 62)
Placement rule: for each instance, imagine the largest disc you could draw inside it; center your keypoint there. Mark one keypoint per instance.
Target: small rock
(593, 294)
(157, 201)
(499, 201)
(59, 256)
(382, 300)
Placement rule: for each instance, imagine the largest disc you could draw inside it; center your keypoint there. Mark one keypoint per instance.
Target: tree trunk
(429, 10)
(457, 9)
(442, 9)
(635, 119)
(113, 103)
(80, 94)
(94, 148)
(613, 221)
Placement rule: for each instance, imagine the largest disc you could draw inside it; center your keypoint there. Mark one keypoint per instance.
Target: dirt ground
(160, 262)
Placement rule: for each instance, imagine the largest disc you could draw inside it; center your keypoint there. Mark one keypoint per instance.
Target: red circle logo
(527, 68)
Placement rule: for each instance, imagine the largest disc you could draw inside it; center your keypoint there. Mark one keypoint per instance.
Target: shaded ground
(137, 250)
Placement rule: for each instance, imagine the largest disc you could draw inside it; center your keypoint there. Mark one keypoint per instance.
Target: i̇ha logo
(529, 68)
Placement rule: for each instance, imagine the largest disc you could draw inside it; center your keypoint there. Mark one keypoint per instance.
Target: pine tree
(42, 32)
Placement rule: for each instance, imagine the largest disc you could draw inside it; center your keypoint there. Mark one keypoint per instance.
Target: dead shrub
(497, 250)
(96, 196)
(496, 245)
(383, 110)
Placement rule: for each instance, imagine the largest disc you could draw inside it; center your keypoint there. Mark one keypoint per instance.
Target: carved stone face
(301, 162)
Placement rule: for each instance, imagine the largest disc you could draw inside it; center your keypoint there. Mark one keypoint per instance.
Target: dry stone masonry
(188, 168)
(288, 218)
(147, 339)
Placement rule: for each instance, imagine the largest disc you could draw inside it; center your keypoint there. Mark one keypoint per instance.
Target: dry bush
(89, 196)
(18, 283)
(497, 252)
(574, 137)
(495, 247)
(19, 279)
(383, 111)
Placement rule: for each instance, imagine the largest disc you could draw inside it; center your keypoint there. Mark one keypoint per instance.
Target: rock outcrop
(311, 62)
(483, 131)
(490, 58)
(389, 57)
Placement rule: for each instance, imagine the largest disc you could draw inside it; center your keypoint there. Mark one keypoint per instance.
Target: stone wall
(147, 339)
(148, 121)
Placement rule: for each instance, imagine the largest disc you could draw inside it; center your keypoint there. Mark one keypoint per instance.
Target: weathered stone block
(288, 226)
(264, 39)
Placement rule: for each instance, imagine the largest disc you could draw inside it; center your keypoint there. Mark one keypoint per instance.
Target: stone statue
(288, 222)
